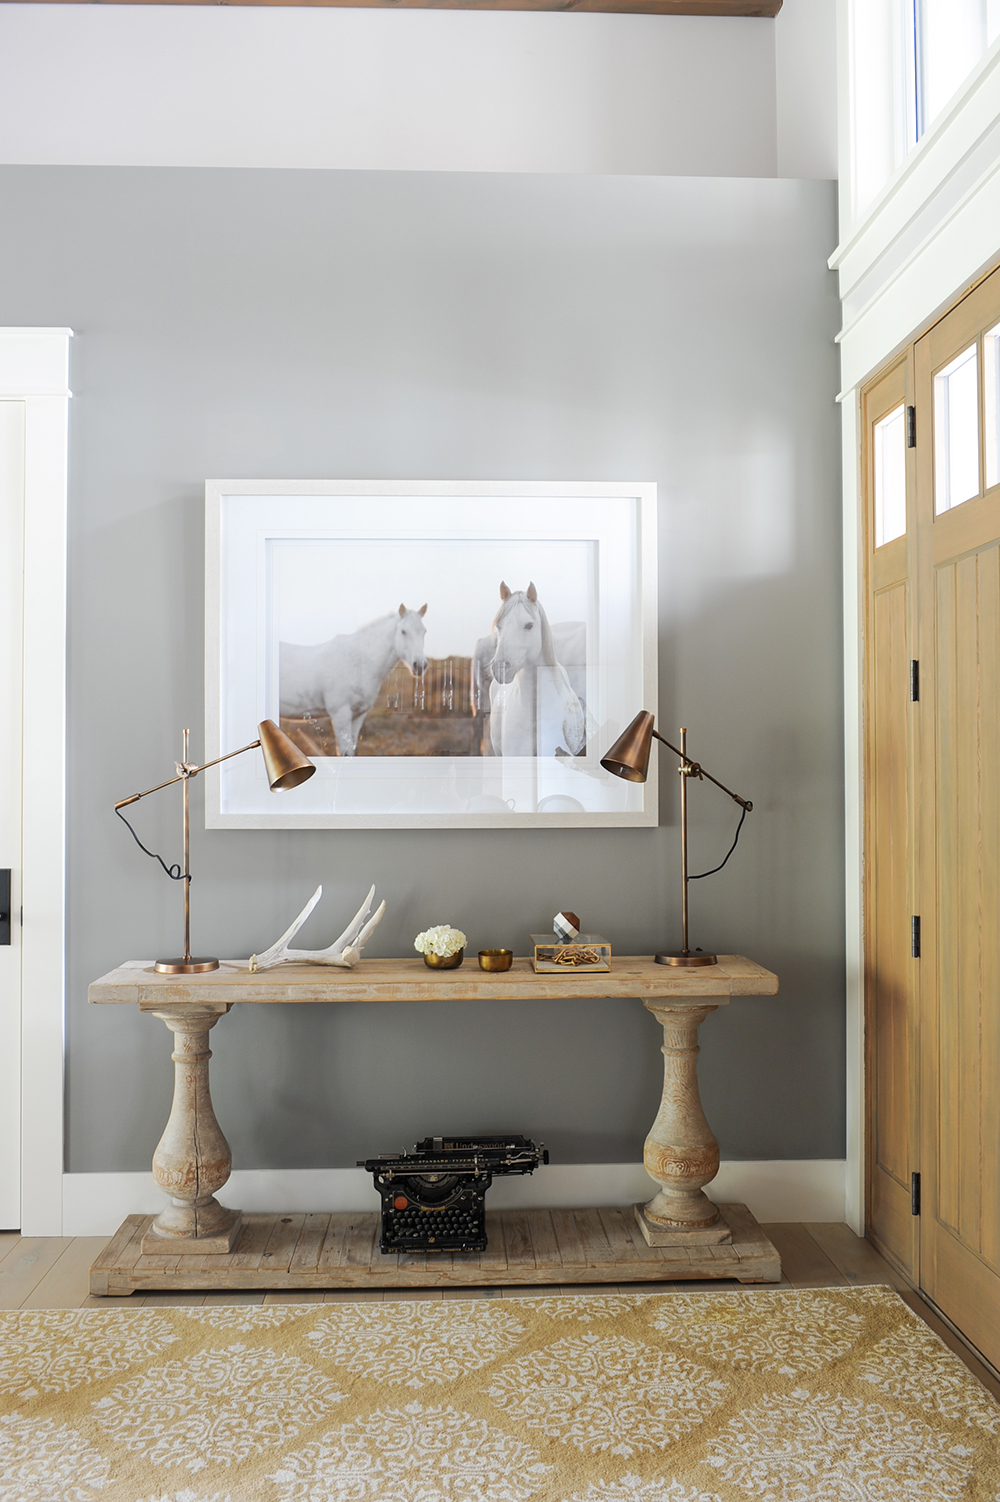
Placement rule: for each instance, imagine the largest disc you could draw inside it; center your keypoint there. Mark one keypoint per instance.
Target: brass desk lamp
(629, 758)
(286, 768)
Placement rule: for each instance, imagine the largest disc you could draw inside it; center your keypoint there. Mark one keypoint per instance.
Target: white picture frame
(292, 564)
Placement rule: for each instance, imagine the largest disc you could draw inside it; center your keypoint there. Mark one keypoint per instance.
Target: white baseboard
(95, 1204)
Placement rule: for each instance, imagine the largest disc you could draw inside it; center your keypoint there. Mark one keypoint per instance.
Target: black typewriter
(434, 1199)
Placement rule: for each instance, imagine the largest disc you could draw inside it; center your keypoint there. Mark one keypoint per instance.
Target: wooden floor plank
(113, 1301)
(295, 1296)
(234, 1296)
(26, 1264)
(66, 1285)
(854, 1258)
(159, 1298)
(803, 1261)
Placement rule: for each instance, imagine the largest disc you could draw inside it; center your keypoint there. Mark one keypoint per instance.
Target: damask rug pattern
(832, 1395)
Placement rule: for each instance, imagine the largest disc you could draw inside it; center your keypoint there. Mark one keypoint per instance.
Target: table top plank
(137, 983)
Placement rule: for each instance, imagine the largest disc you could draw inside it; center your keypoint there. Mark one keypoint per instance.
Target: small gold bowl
(496, 959)
(444, 961)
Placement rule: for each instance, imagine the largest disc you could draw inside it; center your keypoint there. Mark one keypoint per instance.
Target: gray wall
(421, 326)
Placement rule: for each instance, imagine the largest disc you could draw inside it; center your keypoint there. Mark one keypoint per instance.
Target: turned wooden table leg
(681, 1153)
(192, 1160)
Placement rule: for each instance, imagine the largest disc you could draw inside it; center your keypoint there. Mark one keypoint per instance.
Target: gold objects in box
(585, 953)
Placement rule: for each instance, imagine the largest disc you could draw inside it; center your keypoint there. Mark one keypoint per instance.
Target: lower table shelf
(525, 1246)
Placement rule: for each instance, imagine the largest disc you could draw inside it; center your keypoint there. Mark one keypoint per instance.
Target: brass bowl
(444, 961)
(496, 959)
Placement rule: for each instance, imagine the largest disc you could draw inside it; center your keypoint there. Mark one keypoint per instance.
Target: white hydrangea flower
(442, 940)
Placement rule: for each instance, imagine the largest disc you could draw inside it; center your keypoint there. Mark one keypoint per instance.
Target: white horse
(534, 710)
(570, 641)
(342, 677)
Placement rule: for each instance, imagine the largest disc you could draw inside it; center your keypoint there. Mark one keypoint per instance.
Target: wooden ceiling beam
(612, 7)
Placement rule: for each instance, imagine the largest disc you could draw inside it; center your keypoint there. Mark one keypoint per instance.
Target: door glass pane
(956, 431)
(991, 394)
(890, 477)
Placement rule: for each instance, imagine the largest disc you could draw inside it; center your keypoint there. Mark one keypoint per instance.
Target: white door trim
(34, 368)
(853, 816)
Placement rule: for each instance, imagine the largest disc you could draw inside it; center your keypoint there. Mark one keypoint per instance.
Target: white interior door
(12, 414)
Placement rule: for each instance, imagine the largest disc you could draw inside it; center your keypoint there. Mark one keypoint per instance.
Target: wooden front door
(931, 467)
(956, 560)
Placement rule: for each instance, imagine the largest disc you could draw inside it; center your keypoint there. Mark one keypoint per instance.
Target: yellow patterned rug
(838, 1395)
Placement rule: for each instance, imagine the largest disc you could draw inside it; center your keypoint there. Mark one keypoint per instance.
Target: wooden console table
(197, 1243)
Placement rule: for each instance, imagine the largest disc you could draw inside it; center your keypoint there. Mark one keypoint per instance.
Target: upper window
(908, 59)
(950, 36)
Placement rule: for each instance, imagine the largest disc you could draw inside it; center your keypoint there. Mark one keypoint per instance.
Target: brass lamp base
(191, 966)
(686, 957)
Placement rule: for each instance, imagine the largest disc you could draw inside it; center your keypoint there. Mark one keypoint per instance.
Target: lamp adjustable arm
(695, 769)
(183, 776)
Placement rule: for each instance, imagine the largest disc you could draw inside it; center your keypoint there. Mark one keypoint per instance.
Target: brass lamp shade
(629, 756)
(285, 763)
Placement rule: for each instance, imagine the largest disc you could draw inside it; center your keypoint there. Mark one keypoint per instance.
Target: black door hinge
(914, 1194)
(914, 938)
(914, 680)
(911, 427)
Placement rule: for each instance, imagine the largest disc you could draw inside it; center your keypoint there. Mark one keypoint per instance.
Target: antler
(345, 951)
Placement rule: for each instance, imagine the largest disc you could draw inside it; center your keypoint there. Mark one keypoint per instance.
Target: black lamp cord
(702, 874)
(174, 872)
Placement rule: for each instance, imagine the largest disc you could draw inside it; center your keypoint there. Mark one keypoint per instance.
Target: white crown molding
(953, 255)
(95, 1204)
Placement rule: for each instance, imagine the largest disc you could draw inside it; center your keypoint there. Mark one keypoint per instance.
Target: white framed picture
(448, 654)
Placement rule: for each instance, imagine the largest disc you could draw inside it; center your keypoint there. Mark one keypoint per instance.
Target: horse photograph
(479, 669)
(447, 654)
